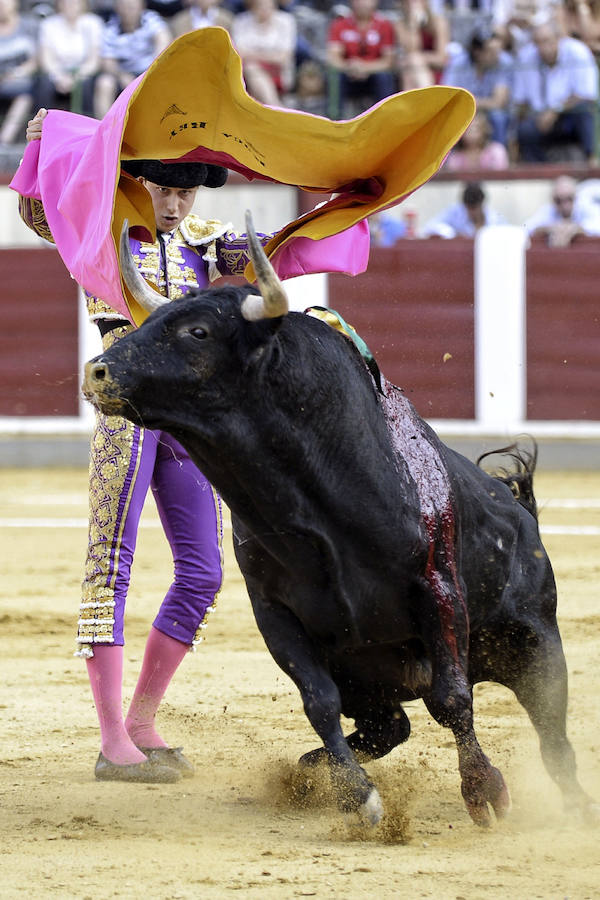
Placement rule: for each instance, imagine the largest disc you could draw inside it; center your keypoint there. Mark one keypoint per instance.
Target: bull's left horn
(273, 301)
(139, 288)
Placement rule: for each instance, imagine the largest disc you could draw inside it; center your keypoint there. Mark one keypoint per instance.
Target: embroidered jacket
(197, 252)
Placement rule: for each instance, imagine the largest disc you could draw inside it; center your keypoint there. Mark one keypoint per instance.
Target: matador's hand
(34, 126)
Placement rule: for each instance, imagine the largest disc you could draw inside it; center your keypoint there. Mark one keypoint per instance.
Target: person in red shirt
(361, 53)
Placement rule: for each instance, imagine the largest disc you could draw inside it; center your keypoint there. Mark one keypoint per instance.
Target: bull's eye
(199, 333)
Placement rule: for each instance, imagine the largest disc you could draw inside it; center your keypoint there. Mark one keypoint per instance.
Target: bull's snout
(96, 376)
(96, 372)
(99, 388)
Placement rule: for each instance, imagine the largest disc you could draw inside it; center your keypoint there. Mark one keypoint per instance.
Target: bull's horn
(273, 301)
(139, 288)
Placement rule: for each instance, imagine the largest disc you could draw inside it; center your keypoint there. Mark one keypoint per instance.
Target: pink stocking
(162, 657)
(105, 670)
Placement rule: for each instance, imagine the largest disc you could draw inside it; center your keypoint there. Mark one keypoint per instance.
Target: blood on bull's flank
(381, 565)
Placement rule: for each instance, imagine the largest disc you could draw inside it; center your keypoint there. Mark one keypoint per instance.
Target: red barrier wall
(38, 340)
(414, 307)
(563, 331)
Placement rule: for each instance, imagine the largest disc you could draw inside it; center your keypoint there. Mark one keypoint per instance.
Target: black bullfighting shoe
(149, 771)
(170, 756)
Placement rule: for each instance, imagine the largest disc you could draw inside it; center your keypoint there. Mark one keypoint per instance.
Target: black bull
(382, 566)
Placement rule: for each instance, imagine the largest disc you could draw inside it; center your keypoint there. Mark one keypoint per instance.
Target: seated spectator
(465, 218)
(565, 217)
(360, 52)
(422, 37)
(200, 14)
(69, 46)
(18, 62)
(476, 149)
(265, 38)
(556, 91)
(133, 38)
(485, 70)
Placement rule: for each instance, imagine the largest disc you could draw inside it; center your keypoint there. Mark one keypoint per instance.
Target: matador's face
(171, 204)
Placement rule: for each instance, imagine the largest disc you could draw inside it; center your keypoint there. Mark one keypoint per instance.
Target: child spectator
(133, 38)
(18, 63)
(311, 88)
(265, 38)
(475, 150)
(69, 44)
(360, 52)
(422, 37)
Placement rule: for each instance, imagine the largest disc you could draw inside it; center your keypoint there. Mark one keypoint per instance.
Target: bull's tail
(520, 477)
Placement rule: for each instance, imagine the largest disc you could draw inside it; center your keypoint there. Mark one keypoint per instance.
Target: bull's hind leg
(450, 702)
(533, 665)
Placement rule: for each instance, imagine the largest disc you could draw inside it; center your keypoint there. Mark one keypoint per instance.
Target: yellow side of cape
(192, 103)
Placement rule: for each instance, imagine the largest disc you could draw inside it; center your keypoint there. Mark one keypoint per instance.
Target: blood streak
(426, 468)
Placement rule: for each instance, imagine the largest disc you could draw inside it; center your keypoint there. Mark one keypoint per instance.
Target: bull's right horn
(138, 286)
(273, 301)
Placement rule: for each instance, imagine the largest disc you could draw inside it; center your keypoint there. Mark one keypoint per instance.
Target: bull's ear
(273, 301)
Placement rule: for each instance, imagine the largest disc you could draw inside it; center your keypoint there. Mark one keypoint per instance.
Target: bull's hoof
(488, 789)
(370, 812)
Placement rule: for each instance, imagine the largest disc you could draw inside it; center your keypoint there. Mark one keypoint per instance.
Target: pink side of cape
(73, 171)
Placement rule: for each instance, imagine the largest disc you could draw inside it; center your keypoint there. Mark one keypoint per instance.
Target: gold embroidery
(195, 230)
(32, 213)
(234, 259)
(198, 637)
(97, 308)
(110, 460)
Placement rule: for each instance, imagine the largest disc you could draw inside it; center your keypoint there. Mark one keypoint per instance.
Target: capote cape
(191, 104)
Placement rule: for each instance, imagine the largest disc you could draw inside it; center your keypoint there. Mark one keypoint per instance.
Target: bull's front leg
(296, 654)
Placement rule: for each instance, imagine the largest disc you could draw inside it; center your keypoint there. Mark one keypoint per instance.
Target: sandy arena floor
(234, 827)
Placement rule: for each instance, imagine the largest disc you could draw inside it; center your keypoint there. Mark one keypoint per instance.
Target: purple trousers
(125, 461)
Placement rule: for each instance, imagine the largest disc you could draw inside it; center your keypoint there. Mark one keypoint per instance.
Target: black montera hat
(177, 175)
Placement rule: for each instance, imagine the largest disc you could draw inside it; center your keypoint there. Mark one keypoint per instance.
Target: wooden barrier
(563, 331)
(414, 307)
(39, 338)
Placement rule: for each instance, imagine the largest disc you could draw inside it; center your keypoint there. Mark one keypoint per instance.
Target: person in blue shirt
(465, 218)
(486, 70)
